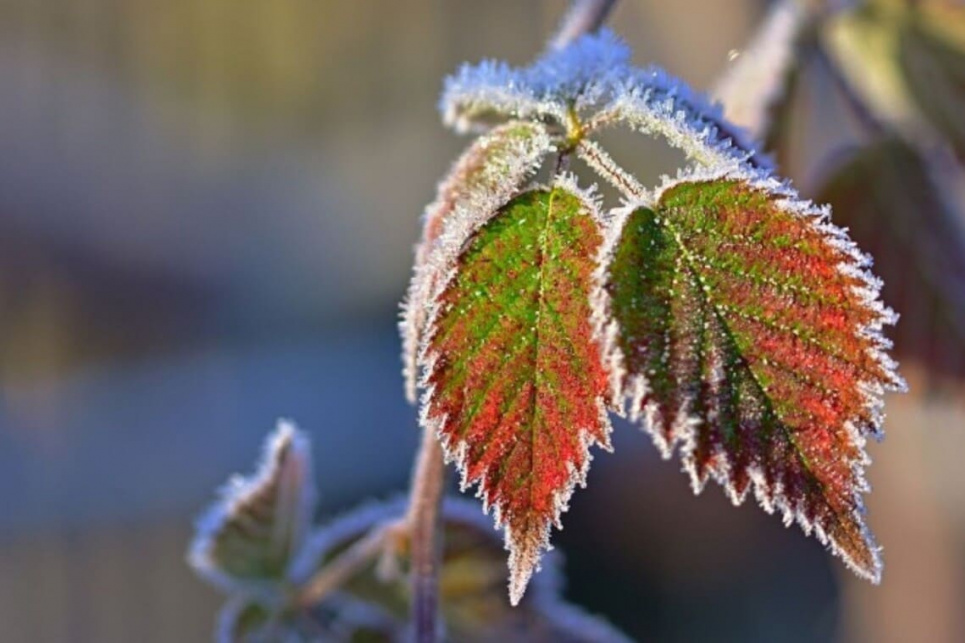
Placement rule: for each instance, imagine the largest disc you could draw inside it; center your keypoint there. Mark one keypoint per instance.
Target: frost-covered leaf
(248, 540)
(515, 382)
(485, 177)
(578, 77)
(472, 581)
(748, 329)
(593, 82)
(894, 208)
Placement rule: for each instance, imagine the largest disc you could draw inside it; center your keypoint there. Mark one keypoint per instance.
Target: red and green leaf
(484, 178)
(516, 384)
(748, 331)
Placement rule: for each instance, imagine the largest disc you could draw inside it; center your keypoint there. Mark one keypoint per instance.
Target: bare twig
(585, 16)
(349, 563)
(758, 77)
(422, 521)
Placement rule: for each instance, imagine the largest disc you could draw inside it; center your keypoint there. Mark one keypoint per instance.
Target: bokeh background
(207, 211)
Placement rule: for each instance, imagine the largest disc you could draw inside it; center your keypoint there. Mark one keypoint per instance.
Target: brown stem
(425, 497)
(350, 562)
(584, 16)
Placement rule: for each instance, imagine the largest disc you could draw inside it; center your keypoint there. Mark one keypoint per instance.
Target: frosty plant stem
(425, 535)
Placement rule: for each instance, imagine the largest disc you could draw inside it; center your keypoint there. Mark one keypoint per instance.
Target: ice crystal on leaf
(484, 178)
(514, 373)
(734, 319)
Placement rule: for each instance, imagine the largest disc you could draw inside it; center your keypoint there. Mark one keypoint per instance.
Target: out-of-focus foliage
(900, 67)
(254, 544)
(891, 204)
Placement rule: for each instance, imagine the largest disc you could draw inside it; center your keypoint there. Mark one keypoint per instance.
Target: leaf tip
(526, 544)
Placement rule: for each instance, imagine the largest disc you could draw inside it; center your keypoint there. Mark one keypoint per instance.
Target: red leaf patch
(748, 330)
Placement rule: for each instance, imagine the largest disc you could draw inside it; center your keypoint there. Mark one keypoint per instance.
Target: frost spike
(749, 332)
(516, 389)
(485, 177)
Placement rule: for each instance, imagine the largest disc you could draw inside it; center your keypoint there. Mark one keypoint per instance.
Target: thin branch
(757, 80)
(604, 165)
(349, 563)
(584, 16)
(422, 521)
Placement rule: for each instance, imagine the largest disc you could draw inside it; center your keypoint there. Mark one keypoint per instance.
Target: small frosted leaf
(515, 384)
(749, 331)
(577, 76)
(249, 538)
(481, 96)
(592, 77)
(657, 104)
(485, 177)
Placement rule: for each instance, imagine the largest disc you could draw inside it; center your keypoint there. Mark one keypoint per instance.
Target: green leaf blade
(748, 332)
(515, 378)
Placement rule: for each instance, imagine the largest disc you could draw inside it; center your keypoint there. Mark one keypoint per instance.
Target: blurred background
(207, 211)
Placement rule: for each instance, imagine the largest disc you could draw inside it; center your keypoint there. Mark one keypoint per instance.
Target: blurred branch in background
(894, 69)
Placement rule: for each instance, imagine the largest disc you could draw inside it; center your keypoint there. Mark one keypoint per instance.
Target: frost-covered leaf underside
(748, 332)
(487, 175)
(515, 377)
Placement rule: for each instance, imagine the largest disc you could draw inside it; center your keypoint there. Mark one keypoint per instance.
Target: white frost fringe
(853, 263)
(468, 206)
(524, 557)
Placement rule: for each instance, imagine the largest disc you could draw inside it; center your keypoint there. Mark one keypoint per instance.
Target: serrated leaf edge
(520, 570)
(633, 388)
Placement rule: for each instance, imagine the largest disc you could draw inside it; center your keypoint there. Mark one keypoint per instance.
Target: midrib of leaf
(537, 379)
(611, 174)
(755, 381)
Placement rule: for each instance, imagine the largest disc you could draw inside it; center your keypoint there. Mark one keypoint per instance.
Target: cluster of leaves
(899, 65)
(259, 545)
(730, 317)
